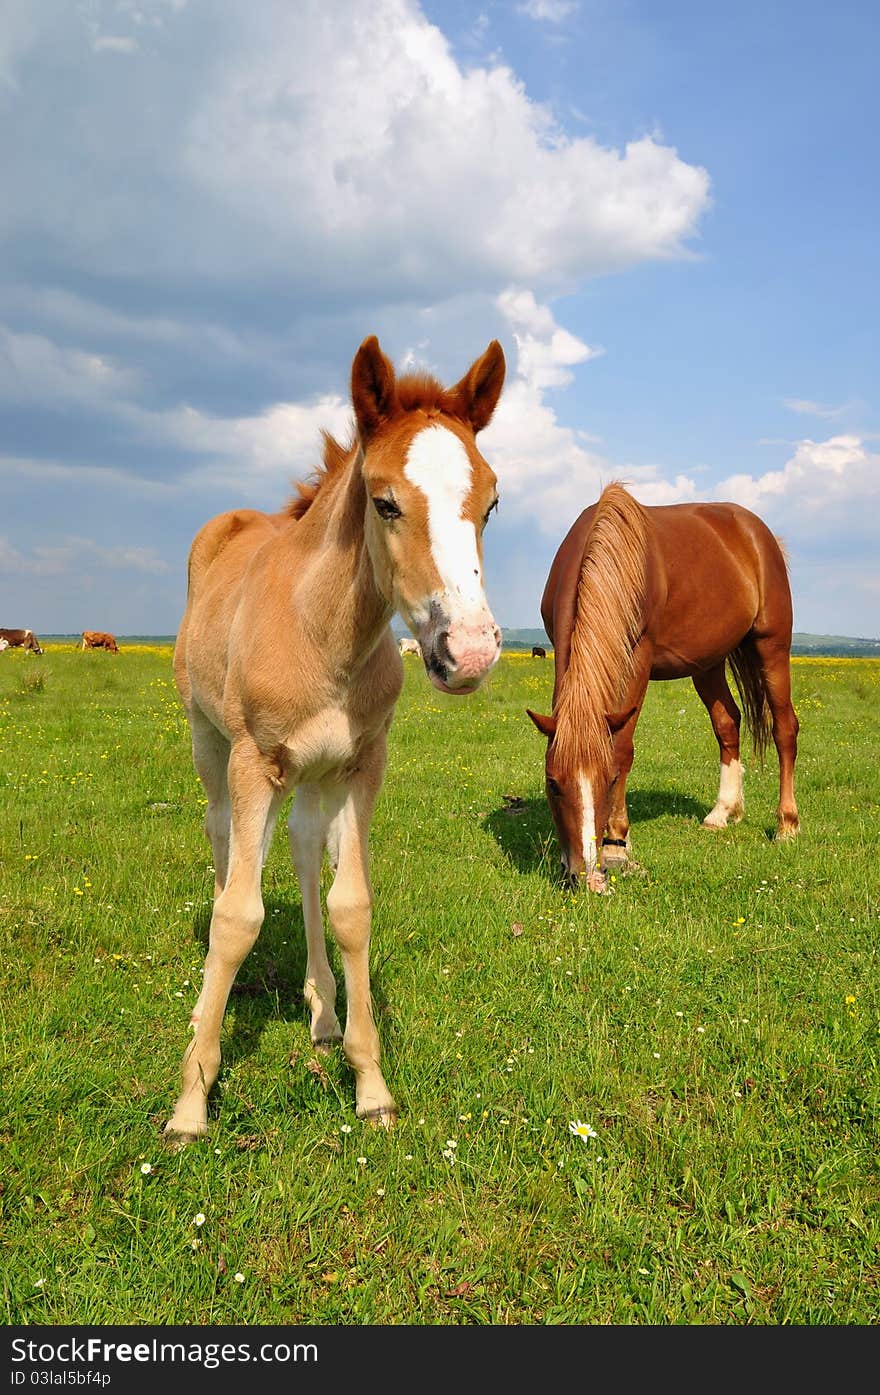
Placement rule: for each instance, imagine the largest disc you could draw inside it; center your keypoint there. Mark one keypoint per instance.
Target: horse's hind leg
(307, 827)
(724, 715)
(235, 925)
(775, 659)
(211, 759)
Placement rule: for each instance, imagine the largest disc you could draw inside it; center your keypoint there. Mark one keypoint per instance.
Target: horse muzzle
(458, 656)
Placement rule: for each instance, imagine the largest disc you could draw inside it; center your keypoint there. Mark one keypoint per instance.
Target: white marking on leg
(588, 824)
(730, 802)
(438, 464)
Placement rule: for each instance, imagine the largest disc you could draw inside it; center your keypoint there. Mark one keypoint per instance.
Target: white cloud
(336, 149)
(806, 407)
(259, 456)
(28, 470)
(114, 43)
(552, 10)
(824, 484)
(34, 369)
(267, 143)
(545, 352)
(55, 559)
(546, 474)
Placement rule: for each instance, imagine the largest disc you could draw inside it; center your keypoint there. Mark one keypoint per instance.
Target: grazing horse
(673, 591)
(22, 639)
(99, 639)
(538, 651)
(289, 673)
(409, 646)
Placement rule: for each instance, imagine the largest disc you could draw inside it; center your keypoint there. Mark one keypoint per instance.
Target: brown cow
(98, 639)
(22, 639)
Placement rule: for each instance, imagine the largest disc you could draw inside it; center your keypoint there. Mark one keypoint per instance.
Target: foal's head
(579, 779)
(430, 494)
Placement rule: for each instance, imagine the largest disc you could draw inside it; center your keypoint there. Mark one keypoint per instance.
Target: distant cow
(409, 646)
(538, 652)
(97, 639)
(22, 639)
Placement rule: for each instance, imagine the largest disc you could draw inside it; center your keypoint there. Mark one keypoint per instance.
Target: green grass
(715, 1021)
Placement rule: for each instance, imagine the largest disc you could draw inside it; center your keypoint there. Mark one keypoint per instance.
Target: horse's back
(715, 573)
(725, 578)
(721, 549)
(219, 557)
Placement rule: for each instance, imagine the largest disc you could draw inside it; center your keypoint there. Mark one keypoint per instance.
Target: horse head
(429, 496)
(579, 780)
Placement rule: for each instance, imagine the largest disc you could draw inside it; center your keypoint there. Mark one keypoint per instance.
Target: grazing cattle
(409, 646)
(289, 674)
(637, 594)
(99, 639)
(22, 639)
(538, 652)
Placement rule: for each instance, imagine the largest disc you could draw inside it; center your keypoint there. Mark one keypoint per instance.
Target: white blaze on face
(588, 824)
(438, 464)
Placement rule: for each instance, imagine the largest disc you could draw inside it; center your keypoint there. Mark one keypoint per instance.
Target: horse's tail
(752, 685)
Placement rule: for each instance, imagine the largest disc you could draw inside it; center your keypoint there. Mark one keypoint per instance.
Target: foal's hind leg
(725, 718)
(307, 825)
(211, 758)
(349, 906)
(775, 657)
(235, 925)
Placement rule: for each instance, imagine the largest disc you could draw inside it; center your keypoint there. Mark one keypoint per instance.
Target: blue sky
(666, 213)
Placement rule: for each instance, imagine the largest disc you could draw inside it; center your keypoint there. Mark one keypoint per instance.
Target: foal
(289, 674)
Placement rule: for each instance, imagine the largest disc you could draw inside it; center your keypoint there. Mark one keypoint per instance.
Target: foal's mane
(415, 392)
(607, 626)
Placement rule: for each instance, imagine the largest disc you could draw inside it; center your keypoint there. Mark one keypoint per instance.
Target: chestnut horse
(638, 593)
(289, 674)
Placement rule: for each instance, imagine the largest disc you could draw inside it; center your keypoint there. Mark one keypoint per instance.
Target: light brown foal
(637, 594)
(289, 674)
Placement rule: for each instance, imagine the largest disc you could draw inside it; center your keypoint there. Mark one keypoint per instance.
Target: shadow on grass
(645, 805)
(524, 831)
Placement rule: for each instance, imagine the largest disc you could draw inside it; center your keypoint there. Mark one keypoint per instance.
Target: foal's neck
(336, 585)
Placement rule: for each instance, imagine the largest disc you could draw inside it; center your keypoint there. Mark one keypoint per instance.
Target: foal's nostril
(442, 651)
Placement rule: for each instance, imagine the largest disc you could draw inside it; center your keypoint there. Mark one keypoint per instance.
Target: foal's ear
(373, 387)
(546, 725)
(476, 395)
(616, 720)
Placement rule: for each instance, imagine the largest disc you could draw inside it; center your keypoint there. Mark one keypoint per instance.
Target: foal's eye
(553, 785)
(386, 509)
(492, 506)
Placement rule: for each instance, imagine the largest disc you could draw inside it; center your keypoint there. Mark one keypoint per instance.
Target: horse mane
(415, 392)
(608, 622)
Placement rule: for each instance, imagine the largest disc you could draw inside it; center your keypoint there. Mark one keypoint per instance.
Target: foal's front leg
(235, 925)
(349, 906)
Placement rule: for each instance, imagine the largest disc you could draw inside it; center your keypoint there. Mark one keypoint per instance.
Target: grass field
(714, 1021)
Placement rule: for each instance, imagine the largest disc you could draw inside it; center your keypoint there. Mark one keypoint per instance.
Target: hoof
(597, 881)
(324, 1046)
(176, 1139)
(379, 1118)
(614, 858)
(722, 818)
(787, 832)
